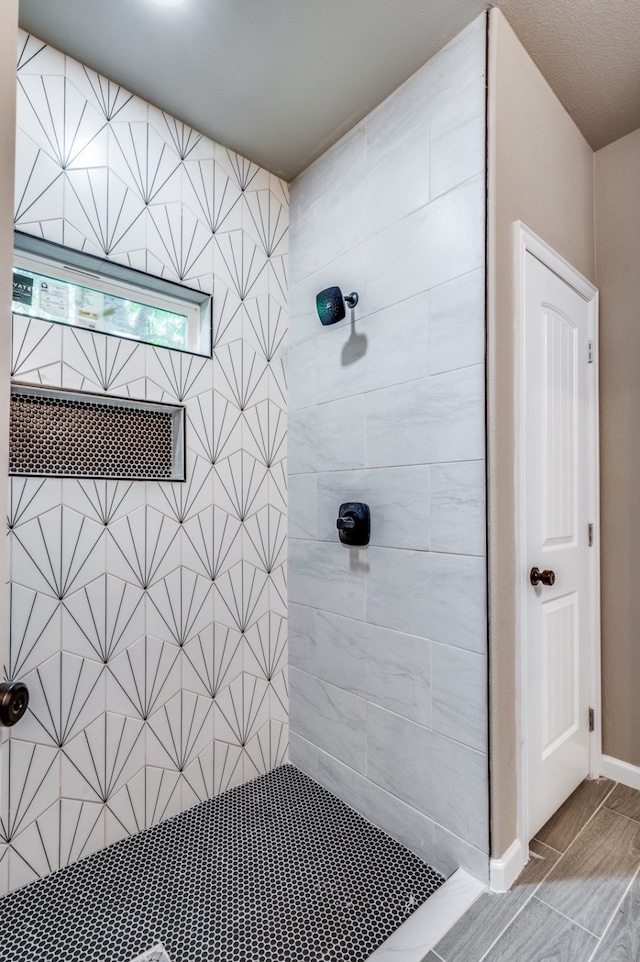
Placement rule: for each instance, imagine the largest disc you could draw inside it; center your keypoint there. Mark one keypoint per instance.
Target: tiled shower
(149, 619)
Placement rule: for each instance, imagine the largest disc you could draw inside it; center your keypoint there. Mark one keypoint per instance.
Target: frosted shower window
(125, 303)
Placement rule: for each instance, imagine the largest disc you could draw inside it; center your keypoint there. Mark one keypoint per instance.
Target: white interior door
(557, 346)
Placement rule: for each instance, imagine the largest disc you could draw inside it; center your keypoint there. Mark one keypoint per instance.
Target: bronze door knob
(546, 577)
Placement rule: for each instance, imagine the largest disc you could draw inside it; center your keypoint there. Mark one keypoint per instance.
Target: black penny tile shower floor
(274, 870)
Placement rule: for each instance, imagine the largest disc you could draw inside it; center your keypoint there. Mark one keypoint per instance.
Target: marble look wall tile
(456, 323)
(457, 147)
(330, 718)
(302, 638)
(437, 419)
(385, 667)
(453, 69)
(372, 352)
(458, 516)
(398, 499)
(450, 852)
(303, 755)
(442, 778)
(303, 373)
(303, 497)
(328, 437)
(459, 695)
(331, 175)
(430, 246)
(404, 823)
(436, 596)
(328, 576)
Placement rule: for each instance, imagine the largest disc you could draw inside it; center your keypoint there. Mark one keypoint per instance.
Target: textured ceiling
(281, 80)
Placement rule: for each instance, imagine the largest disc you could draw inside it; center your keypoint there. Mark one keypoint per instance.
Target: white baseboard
(504, 871)
(619, 771)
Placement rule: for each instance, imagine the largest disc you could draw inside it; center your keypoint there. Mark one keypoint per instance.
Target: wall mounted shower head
(330, 304)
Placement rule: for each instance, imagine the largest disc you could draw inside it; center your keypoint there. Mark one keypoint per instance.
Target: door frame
(526, 242)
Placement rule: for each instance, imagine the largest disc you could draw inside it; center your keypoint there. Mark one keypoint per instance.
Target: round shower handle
(14, 699)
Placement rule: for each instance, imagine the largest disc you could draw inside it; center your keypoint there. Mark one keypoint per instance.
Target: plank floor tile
(481, 925)
(621, 941)
(538, 934)
(589, 881)
(625, 800)
(561, 829)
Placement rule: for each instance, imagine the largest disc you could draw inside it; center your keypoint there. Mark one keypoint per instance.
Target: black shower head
(330, 304)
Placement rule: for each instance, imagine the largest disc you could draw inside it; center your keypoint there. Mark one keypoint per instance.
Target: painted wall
(148, 619)
(617, 244)
(388, 643)
(540, 172)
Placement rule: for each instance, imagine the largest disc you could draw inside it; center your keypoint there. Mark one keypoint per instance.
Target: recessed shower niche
(57, 433)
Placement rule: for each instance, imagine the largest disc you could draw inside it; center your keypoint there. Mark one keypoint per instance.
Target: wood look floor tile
(539, 934)
(481, 925)
(621, 941)
(561, 829)
(625, 800)
(590, 879)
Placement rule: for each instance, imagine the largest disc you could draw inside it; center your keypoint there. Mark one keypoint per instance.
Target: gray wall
(388, 643)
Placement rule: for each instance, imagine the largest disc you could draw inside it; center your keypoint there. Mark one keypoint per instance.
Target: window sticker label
(54, 297)
(22, 289)
(90, 306)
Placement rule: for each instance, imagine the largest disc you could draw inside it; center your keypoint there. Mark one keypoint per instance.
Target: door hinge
(592, 720)
(590, 361)
(590, 535)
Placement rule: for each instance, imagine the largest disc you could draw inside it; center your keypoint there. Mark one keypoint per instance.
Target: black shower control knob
(14, 699)
(354, 524)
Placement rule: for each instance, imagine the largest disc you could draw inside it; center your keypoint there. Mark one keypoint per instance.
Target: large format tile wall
(388, 643)
(148, 619)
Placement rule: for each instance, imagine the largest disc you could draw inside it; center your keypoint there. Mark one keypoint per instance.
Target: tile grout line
(591, 817)
(613, 914)
(572, 921)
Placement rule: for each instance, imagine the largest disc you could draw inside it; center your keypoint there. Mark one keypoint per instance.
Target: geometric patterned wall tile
(278, 391)
(30, 783)
(278, 590)
(102, 758)
(39, 187)
(34, 633)
(245, 172)
(227, 316)
(173, 377)
(65, 694)
(265, 538)
(34, 56)
(142, 547)
(102, 208)
(180, 500)
(241, 374)
(212, 195)
(265, 326)
(57, 552)
(278, 483)
(179, 731)
(242, 594)
(265, 648)
(212, 660)
(265, 432)
(241, 264)
(180, 242)
(212, 542)
(29, 497)
(215, 770)
(214, 426)
(93, 362)
(104, 95)
(241, 709)
(266, 750)
(103, 501)
(267, 222)
(180, 606)
(241, 487)
(143, 677)
(66, 832)
(125, 810)
(163, 794)
(279, 696)
(103, 618)
(36, 350)
(145, 162)
(278, 278)
(4, 869)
